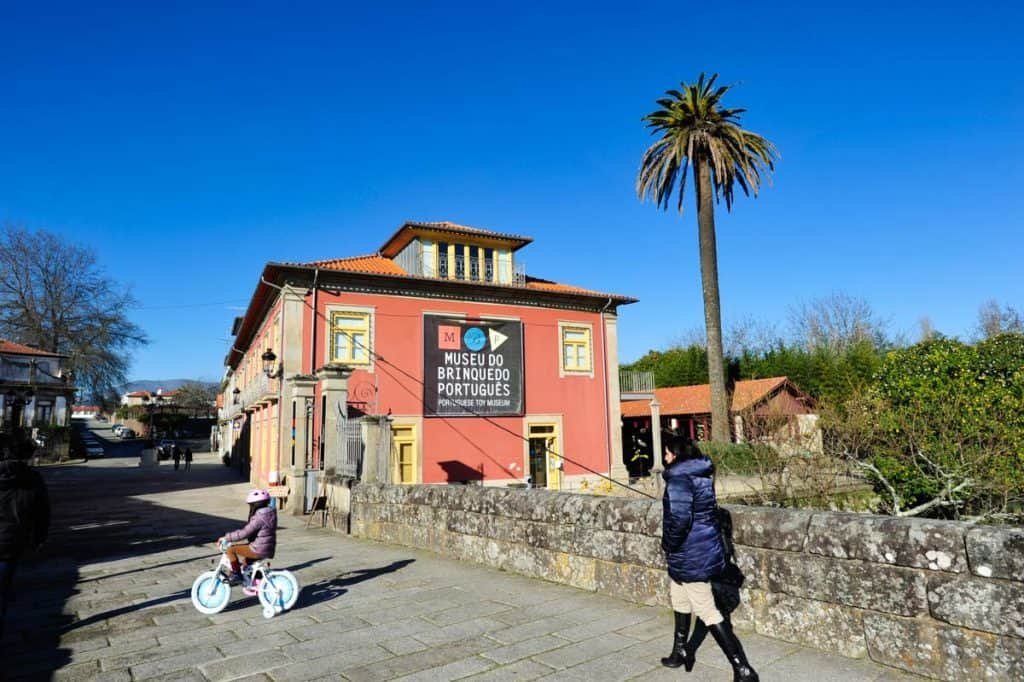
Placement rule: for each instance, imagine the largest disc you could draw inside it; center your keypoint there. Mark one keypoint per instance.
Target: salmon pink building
(434, 360)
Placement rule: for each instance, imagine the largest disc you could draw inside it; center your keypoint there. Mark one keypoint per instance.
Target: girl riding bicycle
(261, 531)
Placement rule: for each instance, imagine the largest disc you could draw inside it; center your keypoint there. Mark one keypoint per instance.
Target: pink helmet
(257, 496)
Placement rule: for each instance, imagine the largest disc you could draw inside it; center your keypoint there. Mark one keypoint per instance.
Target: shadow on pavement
(113, 613)
(326, 590)
(104, 511)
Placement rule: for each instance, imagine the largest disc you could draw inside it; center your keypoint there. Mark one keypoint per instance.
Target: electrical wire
(485, 418)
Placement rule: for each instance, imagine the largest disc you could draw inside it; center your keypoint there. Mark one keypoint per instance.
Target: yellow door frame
(554, 460)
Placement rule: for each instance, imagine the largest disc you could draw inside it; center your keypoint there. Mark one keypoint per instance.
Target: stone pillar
(656, 468)
(372, 443)
(299, 393)
(148, 458)
(334, 387)
(616, 468)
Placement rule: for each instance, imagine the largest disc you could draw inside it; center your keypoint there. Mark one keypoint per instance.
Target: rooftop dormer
(446, 250)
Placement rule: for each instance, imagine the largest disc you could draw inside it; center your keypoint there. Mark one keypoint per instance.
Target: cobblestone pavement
(108, 599)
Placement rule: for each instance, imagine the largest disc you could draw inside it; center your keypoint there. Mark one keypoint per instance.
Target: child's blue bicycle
(276, 590)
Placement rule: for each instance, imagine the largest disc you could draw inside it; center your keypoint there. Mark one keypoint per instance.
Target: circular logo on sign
(475, 338)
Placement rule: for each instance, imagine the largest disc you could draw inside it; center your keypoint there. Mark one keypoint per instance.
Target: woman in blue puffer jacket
(695, 552)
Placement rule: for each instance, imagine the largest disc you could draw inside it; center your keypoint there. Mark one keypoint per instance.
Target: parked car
(165, 449)
(92, 451)
(116, 428)
(126, 433)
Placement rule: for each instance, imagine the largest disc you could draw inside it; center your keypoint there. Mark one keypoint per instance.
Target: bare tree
(836, 322)
(994, 320)
(749, 335)
(199, 397)
(927, 329)
(55, 297)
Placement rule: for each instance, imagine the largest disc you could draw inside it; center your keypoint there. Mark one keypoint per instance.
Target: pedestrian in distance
(695, 550)
(188, 458)
(176, 456)
(24, 511)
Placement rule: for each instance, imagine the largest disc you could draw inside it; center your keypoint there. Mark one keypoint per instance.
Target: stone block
(996, 552)
(548, 536)
(507, 529)
(575, 509)
(630, 582)
(472, 497)
(809, 622)
(570, 569)
(528, 561)
(859, 584)
(643, 550)
(495, 501)
(521, 504)
(784, 529)
(743, 616)
(942, 651)
(750, 561)
(600, 544)
(623, 515)
(654, 518)
(917, 543)
(979, 604)
(415, 494)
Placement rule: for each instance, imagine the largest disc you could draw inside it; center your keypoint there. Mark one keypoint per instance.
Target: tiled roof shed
(13, 348)
(693, 400)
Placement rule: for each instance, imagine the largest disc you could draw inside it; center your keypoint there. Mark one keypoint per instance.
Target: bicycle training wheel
(279, 589)
(210, 594)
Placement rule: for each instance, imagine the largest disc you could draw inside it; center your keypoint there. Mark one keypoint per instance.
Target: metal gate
(349, 462)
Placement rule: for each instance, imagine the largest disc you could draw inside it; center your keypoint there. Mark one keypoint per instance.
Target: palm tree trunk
(712, 306)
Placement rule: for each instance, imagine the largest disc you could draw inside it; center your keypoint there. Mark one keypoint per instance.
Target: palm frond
(692, 128)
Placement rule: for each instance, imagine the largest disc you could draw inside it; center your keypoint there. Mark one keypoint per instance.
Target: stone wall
(941, 599)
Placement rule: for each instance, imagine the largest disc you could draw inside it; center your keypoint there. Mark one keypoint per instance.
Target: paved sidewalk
(111, 602)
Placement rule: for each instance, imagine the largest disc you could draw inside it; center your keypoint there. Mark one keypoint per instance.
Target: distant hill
(154, 384)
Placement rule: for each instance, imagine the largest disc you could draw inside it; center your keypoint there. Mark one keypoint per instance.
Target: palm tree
(695, 131)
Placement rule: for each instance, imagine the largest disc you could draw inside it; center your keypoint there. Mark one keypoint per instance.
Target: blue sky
(188, 145)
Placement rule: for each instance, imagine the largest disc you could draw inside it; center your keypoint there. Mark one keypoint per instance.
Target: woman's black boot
(730, 645)
(680, 655)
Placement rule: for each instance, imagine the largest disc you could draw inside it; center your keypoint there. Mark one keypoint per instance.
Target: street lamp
(269, 359)
(234, 395)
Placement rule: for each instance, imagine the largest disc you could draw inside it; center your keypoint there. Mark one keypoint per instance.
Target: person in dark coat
(176, 456)
(695, 552)
(188, 458)
(24, 510)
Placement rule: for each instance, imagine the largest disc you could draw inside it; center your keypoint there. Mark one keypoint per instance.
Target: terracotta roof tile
(455, 227)
(697, 399)
(20, 349)
(374, 264)
(380, 265)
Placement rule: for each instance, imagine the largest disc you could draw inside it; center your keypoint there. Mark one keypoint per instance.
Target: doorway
(545, 464)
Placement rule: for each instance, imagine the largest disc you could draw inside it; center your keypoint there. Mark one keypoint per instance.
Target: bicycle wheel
(279, 589)
(210, 594)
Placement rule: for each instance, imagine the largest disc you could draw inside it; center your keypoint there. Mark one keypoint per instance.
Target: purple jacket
(261, 531)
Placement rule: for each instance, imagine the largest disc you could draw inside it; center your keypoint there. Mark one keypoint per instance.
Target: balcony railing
(258, 390)
(635, 385)
(473, 269)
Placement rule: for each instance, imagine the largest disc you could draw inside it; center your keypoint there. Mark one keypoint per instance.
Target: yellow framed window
(576, 349)
(403, 443)
(350, 337)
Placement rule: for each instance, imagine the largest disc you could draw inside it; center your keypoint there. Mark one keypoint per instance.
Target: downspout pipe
(607, 401)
